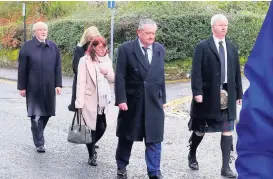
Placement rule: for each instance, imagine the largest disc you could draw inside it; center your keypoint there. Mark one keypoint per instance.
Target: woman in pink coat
(93, 96)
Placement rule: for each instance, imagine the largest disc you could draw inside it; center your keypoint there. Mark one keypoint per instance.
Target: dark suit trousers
(38, 124)
(74, 89)
(152, 155)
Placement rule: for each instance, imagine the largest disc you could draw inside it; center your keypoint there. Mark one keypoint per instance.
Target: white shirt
(149, 51)
(216, 41)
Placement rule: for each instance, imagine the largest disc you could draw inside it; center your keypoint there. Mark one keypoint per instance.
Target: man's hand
(23, 93)
(123, 106)
(239, 101)
(164, 106)
(58, 90)
(198, 98)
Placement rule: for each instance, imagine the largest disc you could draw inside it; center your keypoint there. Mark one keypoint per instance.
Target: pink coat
(86, 96)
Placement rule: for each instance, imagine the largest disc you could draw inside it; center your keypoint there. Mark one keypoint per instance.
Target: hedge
(178, 32)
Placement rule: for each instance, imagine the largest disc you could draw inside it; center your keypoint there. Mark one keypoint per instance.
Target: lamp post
(24, 16)
(111, 5)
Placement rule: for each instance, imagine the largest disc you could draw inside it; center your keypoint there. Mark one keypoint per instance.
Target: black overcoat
(205, 80)
(143, 89)
(39, 73)
(78, 53)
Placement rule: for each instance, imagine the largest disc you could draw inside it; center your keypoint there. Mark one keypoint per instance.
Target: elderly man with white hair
(39, 79)
(216, 88)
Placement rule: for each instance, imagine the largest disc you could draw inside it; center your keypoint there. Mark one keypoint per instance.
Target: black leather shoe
(92, 161)
(156, 177)
(40, 149)
(193, 164)
(122, 173)
(227, 172)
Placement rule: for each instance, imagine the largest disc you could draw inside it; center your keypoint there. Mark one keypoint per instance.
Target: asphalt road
(19, 160)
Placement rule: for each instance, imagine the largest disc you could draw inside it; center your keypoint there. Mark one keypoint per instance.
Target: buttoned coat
(78, 53)
(142, 87)
(205, 80)
(39, 73)
(86, 95)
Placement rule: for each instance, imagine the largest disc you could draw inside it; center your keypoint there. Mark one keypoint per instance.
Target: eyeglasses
(101, 48)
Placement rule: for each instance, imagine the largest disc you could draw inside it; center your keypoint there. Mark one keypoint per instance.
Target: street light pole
(24, 16)
(112, 33)
(111, 5)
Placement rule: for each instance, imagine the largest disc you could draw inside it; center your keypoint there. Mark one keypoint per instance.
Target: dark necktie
(146, 56)
(222, 59)
(42, 44)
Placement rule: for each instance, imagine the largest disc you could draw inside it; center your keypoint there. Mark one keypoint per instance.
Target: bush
(11, 36)
(10, 54)
(180, 33)
(67, 33)
(181, 25)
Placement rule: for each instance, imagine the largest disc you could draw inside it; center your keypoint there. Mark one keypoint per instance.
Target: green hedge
(178, 33)
(67, 33)
(181, 26)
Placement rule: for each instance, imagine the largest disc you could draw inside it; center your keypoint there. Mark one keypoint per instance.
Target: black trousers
(98, 133)
(73, 97)
(38, 124)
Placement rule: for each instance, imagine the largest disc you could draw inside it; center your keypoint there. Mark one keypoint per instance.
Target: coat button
(217, 84)
(144, 82)
(218, 74)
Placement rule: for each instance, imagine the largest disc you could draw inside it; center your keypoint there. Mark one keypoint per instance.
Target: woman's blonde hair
(90, 31)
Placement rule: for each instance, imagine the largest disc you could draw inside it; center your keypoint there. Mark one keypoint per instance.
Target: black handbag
(78, 133)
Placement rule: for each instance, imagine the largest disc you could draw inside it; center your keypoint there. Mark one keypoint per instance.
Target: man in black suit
(140, 96)
(39, 80)
(215, 70)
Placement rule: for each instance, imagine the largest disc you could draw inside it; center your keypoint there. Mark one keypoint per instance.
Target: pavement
(19, 160)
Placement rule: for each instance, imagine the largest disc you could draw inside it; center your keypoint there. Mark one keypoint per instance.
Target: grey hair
(34, 28)
(144, 22)
(217, 17)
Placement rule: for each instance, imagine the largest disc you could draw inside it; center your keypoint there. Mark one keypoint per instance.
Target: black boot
(194, 142)
(92, 154)
(226, 145)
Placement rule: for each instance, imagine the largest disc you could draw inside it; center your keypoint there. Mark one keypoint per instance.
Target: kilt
(212, 125)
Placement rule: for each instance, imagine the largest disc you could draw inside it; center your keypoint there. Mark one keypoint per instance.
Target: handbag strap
(80, 121)
(73, 121)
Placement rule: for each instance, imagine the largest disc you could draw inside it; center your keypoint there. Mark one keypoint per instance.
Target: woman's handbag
(78, 133)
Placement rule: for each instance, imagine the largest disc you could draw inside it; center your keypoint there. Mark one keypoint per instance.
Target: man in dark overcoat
(215, 68)
(140, 95)
(39, 79)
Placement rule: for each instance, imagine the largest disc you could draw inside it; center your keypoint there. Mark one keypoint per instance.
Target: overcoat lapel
(156, 55)
(213, 47)
(91, 69)
(140, 55)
